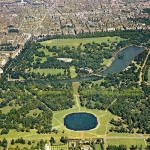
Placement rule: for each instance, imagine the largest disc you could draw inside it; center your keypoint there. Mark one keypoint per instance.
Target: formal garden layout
(60, 75)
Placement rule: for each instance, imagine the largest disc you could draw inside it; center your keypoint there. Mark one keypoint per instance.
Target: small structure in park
(65, 59)
(86, 147)
(1, 71)
(47, 147)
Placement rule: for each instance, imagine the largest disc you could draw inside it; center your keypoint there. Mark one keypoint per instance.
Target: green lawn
(73, 73)
(97, 146)
(34, 112)
(47, 52)
(22, 146)
(7, 108)
(76, 42)
(106, 61)
(50, 71)
(128, 142)
(98, 81)
(75, 86)
(102, 128)
(42, 59)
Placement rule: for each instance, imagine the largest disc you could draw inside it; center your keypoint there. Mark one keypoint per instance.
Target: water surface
(119, 65)
(80, 121)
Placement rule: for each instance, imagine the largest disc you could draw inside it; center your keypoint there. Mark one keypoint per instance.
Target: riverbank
(113, 58)
(116, 65)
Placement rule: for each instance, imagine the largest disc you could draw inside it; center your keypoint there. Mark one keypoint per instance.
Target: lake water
(120, 64)
(80, 121)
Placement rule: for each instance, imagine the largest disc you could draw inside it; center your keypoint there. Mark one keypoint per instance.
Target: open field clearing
(75, 86)
(106, 61)
(72, 72)
(139, 142)
(103, 117)
(50, 71)
(76, 42)
(46, 52)
(42, 59)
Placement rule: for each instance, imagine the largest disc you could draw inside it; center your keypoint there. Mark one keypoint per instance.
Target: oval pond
(80, 121)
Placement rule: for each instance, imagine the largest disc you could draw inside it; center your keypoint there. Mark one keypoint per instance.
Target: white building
(65, 59)
(47, 147)
(4, 62)
(1, 71)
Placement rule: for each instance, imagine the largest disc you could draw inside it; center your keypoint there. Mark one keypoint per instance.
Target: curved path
(141, 72)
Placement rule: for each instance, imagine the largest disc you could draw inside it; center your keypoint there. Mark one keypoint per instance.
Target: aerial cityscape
(74, 74)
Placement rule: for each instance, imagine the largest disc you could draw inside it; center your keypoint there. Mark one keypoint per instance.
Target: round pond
(80, 121)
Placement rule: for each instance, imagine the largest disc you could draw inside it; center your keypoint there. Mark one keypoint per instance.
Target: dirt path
(76, 97)
(76, 94)
(105, 136)
(110, 104)
(141, 72)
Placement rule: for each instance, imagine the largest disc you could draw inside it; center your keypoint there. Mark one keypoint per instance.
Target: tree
(4, 143)
(52, 141)
(12, 142)
(29, 142)
(4, 131)
(64, 140)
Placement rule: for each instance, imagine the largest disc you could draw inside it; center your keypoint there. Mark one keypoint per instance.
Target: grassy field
(73, 73)
(47, 52)
(97, 146)
(98, 81)
(75, 86)
(76, 42)
(42, 59)
(149, 75)
(103, 117)
(106, 61)
(23, 145)
(33, 112)
(123, 141)
(50, 71)
(7, 108)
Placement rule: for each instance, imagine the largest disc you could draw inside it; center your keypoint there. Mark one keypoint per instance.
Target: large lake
(120, 64)
(80, 121)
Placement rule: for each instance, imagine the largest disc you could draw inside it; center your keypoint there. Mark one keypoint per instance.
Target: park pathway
(110, 104)
(141, 72)
(76, 95)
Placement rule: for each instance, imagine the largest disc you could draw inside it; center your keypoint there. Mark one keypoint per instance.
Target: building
(1, 71)
(47, 147)
(65, 59)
